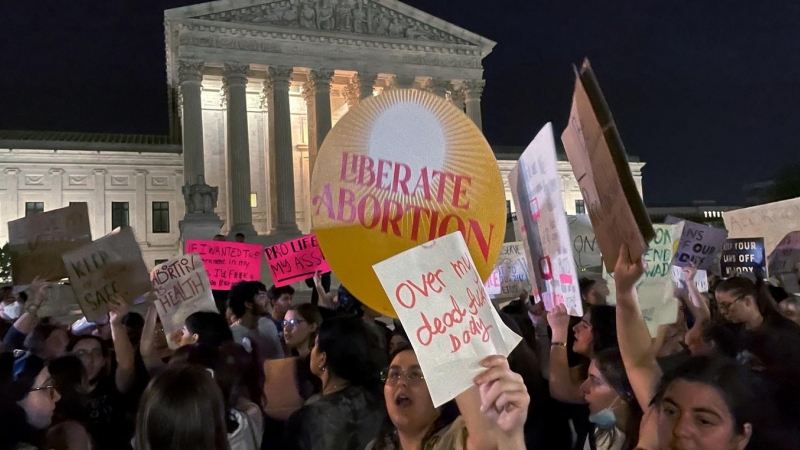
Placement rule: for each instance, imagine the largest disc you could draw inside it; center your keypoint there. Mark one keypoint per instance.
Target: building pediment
(378, 18)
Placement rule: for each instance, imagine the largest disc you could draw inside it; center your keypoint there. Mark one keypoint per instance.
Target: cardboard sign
(700, 279)
(773, 221)
(111, 265)
(585, 250)
(699, 244)
(227, 263)
(743, 255)
(784, 262)
(600, 165)
(182, 288)
(296, 260)
(655, 288)
(438, 294)
(509, 279)
(536, 188)
(38, 241)
(398, 170)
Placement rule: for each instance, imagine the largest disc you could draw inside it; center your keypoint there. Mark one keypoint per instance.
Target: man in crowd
(255, 329)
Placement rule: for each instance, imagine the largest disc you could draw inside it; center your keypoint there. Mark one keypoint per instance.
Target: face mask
(13, 310)
(605, 419)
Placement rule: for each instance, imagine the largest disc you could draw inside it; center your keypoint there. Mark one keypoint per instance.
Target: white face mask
(13, 311)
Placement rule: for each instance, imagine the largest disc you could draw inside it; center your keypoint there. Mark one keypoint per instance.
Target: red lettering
(383, 172)
(459, 190)
(326, 200)
(362, 211)
(393, 218)
(346, 198)
(443, 227)
(476, 233)
(455, 316)
(399, 298)
(398, 181)
(343, 176)
(423, 182)
(442, 183)
(366, 176)
(455, 343)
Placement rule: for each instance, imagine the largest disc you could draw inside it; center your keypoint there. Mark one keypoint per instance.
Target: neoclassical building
(255, 86)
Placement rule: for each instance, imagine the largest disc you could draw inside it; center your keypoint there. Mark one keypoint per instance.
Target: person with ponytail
(743, 302)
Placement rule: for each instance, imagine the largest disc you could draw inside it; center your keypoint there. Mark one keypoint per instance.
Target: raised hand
(504, 397)
(627, 272)
(117, 309)
(558, 320)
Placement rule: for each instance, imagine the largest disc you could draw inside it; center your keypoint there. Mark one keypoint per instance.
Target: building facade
(255, 86)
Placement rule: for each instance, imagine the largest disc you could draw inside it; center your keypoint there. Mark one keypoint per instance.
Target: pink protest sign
(295, 260)
(227, 262)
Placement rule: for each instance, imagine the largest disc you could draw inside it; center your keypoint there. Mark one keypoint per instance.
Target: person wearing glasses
(493, 412)
(749, 304)
(27, 402)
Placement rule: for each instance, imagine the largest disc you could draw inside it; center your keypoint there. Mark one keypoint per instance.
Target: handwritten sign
(773, 221)
(699, 244)
(784, 262)
(182, 288)
(700, 279)
(600, 165)
(38, 241)
(295, 260)
(111, 265)
(438, 294)
(655, 288)
(509, 279)
(227, 262)
(585, 250)
(536, 190)
(399, 170)
(743, 255)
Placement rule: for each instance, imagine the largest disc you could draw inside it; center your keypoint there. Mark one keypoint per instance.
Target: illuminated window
(253, 200)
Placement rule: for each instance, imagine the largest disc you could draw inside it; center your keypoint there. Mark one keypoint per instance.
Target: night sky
(706, 93)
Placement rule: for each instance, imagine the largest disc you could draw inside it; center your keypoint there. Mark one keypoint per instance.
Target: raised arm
(562, 385)
(147, 346)
(326, 298)
(125, 374)
(635, 344)
(38, 293)
(495, 409)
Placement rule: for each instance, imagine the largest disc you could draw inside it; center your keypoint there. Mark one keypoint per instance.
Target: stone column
(268, 104)
(456, 96)
(190, 76)
(140, 214)
(438, 86)
(473, 89)
(235, 78)
(100, 202)
(320, 80)
(11, 200)
(366, 84)
(57, 183)
(284, 164)
(402, 82)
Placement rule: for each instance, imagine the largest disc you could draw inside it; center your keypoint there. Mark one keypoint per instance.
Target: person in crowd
(239, 238)
(320, 285)
(14, 339)
(48, 340)
(594, 291)
(348, 411)
(105, 401)
(486, 421)
(27, 402)
(255, 329)
(12, 305)
(399, 337)
(300, 325)
(72, 383)
(207, 328)
(244, 422)
(614, 412)
(790, 309)
(219, 238)
(281, 298)
(182, 409)
(708, 402)
(134, 324)
(154, 348)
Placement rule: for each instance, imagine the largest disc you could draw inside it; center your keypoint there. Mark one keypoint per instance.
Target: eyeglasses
(51, 390)
(391, 376)
(725, 307)
(292, 323)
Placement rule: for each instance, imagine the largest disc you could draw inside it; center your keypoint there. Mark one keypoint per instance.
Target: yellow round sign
(396, 171)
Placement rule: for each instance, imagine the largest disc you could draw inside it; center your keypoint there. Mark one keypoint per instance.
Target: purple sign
(699, 244)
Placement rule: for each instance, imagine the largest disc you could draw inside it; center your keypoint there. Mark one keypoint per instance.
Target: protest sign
(700, 279)
(296, 260)
(509, 279)
(227, 262)
(451, 323)
(536, 190)
(182, 288)
(585, 250)
(784, 262)
(38, 241)
(699, 244)
(111, 265)
(772, 221)
(600, 165)
(743, 255)
(655, 288)
(398, 170)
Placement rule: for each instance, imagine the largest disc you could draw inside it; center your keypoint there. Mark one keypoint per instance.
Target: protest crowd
(184, 357)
